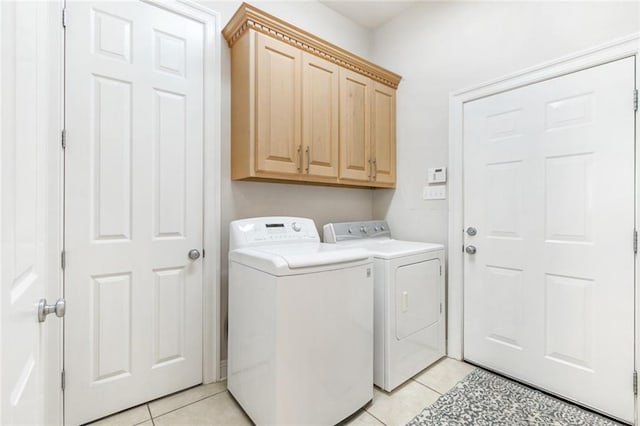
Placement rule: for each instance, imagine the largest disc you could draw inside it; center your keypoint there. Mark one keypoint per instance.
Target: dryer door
(417, 297)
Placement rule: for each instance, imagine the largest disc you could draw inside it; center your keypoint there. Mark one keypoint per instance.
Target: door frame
(212, 135)
(624, 47)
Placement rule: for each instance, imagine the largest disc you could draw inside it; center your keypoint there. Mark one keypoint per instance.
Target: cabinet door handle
(299, 158)
(375, 169)
(308, 152)
(370, 168)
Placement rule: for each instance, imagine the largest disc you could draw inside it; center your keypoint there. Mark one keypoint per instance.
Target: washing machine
(409, 294)
(300, 348)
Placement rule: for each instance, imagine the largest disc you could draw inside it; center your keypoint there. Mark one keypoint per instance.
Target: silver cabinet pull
(194, 254)
(308, 152)
(299, 158)
(471, 231)
(375, 169)
(471, 250)
(60, 308)
(370, 168)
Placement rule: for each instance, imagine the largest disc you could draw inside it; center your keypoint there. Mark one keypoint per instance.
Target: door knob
(471, 231)
(470, 249)
(59, 309)
(194, 254)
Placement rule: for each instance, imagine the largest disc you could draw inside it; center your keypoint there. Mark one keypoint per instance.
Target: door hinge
(635, 241)
(62, 380)
(63, 259)
(203, 253)
(635, 99)
(63, 138)
(64, 17)
(440, 270)
(635, 382)
(440, 307)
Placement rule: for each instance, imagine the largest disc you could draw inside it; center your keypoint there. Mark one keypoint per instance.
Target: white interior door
(29, 132)
(134, 205)
(549, 185)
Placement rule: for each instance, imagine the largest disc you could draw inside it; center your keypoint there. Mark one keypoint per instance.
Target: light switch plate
(434, 192)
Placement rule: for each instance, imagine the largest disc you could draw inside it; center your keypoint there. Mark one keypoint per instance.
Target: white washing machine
(409, 292)
(300, 323)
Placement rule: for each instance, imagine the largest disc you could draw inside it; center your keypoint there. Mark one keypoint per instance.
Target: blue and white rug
(483, 398)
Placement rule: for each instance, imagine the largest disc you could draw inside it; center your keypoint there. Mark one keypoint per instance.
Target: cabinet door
(383, 135)
(320, 102)
(278, 112)
(355, 126)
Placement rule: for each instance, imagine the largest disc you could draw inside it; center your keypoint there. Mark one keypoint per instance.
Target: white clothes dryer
(409, 294)
(300, 323)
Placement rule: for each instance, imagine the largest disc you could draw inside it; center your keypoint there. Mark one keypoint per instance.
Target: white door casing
(134, 204)
(30, 194)
(549, 184)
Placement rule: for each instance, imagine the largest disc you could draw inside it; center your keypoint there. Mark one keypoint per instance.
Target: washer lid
(386, 248)
(289, 259)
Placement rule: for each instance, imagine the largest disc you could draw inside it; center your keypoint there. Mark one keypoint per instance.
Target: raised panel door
(355, 126)
(134, 205)
(383, 135)
(278, 107)
(27, 125)
(549, 185)
(320, 103)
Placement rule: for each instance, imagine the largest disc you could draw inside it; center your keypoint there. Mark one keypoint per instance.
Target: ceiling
(369, 14)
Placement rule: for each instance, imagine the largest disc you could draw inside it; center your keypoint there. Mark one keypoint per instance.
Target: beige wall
(437, 47)
(249, 199)
(440, 47)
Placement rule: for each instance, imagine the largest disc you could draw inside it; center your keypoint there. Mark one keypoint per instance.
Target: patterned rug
(483, 398)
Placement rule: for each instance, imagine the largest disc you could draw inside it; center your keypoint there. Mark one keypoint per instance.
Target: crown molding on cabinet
(248, 17)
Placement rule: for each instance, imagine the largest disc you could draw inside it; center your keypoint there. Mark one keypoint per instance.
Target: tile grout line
(186, 405)
(428, 387)
(150, 416)
(372, 415)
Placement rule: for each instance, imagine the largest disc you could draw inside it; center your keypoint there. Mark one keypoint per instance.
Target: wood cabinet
(367, 131)
(277, 107)
(320, 103)
(383, 135)
(355, 127)
(304, 110)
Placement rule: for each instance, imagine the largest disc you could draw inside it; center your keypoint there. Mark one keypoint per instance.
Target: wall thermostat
(437, 175)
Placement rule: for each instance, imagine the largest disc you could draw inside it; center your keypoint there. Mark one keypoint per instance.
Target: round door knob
(194, 254)
(470, 249)
(296, 226)
(472, 231)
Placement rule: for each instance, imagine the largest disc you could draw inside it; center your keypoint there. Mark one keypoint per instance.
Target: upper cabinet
(383, 135)
(277, 106)
(304, 110)
(355, 127)
(320, 105)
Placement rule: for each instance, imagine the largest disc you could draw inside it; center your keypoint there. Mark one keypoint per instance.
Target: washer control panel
(271, 230)
(334, 232)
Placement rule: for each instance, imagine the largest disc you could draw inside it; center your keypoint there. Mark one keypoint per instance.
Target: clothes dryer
(409, 292)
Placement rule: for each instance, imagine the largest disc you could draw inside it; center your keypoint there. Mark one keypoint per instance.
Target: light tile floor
(213, 405)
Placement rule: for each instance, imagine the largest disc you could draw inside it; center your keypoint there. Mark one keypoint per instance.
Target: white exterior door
(549, 185)
(134, 205)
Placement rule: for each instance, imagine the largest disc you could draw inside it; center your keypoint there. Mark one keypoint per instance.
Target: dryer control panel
(344, 231)
(271, 230)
